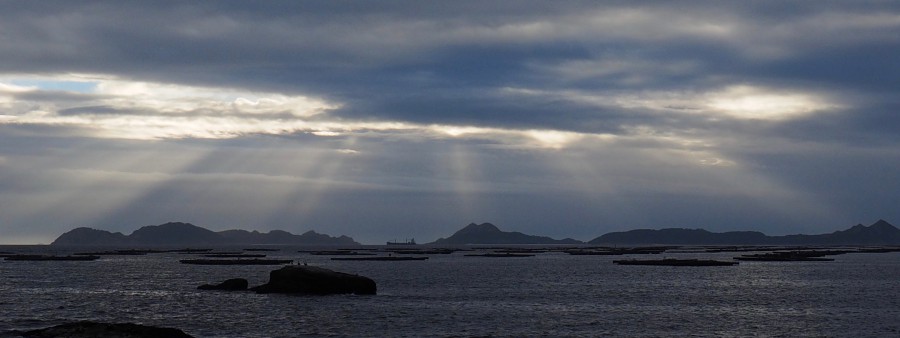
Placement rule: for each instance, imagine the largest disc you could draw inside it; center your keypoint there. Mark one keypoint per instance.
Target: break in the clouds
(404, 119)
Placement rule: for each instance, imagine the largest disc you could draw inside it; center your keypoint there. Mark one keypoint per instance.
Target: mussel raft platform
(33, 258)
(237, 261)
(379, 258)
(675, 262)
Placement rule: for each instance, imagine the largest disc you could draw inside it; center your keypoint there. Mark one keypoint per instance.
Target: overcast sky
(386, 120)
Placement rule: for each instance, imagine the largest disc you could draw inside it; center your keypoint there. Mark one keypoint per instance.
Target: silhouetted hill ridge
(175, 233)
(680, 236)
(89, 236)
(186, 234)
(879, 233)
(487, 233)
(284, 237)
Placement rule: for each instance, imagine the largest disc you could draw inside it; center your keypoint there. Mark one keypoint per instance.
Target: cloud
(370, 59)
(146, 110)
(141, 110)
(386, 116)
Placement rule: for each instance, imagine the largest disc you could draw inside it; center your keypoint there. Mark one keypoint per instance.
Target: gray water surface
(551, 294)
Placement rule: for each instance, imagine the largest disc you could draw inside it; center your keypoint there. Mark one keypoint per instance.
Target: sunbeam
(465, 179)
(94, 179)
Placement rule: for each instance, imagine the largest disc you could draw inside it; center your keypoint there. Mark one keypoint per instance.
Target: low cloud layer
(393, 119)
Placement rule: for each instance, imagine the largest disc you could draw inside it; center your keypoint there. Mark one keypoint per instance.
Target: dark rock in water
(315, 280)
(106, 330)
(234, 284)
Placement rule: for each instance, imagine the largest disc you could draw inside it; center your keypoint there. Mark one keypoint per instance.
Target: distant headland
(487, 233)
(186, 234)
(879, 233)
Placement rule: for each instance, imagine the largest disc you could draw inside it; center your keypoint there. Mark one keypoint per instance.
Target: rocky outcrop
(234, 284)
(93, 329)
(316, 281)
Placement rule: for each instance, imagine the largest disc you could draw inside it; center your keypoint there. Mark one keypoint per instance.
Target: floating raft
(51, 258)
(235, 255)
(379, 258)
(617, 251)
(504, 254)
(340, 253)
(792, 256)
(422, 251)
(763, 258)
(675, 262)
(129, 252)
(236, 261)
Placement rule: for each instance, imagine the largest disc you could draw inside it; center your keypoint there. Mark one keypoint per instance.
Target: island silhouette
(186, 234)
(487, 233)
(879, 233)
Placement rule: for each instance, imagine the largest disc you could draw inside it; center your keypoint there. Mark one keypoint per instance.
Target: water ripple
(454, 296)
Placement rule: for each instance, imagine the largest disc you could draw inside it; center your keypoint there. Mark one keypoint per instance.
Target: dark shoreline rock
(317, 281)
(234, 284)
(87, 329)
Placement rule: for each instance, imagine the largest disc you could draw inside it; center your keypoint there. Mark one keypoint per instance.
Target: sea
(551, 294)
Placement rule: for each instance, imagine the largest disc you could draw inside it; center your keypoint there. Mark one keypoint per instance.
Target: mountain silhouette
(879, 233)
(175, 233)
(283, 237)
(487, 233)
(92, 237)
(186, 234)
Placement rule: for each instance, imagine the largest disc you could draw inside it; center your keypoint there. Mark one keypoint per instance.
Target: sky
(387, 120)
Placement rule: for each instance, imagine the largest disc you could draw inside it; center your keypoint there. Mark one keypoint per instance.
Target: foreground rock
(234, 284)
(106, 330)
(317, 281)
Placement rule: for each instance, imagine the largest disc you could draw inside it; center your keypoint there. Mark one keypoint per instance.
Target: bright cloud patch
(738, 102)
(747, 102)
(145, 110)
(117, 108)
(540, 139)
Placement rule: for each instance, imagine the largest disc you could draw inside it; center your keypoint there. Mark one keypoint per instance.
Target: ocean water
(549, 295)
